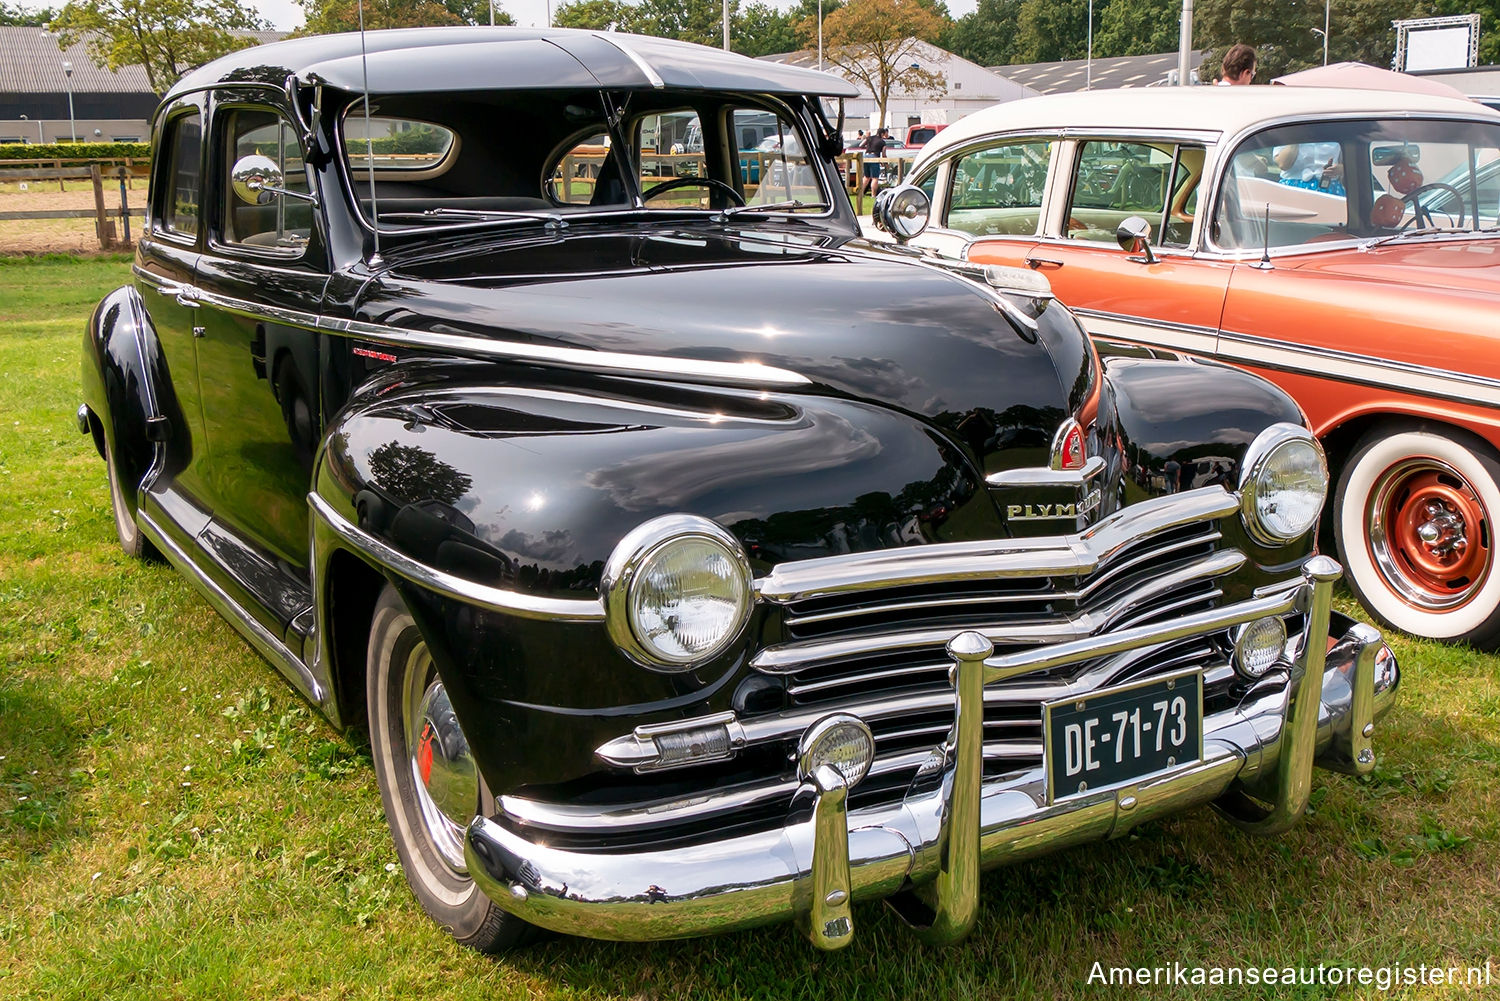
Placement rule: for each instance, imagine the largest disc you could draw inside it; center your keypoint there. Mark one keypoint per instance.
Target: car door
(166, 269)
(991, 195)
(262, 278)
(1171, 297)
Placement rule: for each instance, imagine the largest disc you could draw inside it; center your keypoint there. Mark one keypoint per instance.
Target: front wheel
(1415, 511)
(429, 783)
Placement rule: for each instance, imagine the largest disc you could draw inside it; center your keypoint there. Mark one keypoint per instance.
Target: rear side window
(402, 146)
(182, 197)
(998, 190)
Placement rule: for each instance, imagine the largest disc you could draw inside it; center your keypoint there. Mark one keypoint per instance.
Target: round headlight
(903, 211)
(1282, 485)
(677, 591)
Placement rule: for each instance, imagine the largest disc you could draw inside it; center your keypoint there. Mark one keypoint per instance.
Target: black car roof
(423, 60)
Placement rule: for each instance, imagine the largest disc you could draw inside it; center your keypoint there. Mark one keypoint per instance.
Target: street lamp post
(40, 139)
(1324, 34)
(820, 34)
(68, 77)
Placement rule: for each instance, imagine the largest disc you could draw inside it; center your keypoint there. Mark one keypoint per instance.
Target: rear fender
(123, 376)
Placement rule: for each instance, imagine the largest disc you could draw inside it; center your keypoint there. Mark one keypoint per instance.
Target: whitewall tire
(1416, 513)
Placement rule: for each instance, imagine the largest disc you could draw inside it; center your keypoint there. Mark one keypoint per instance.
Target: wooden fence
(104, 226)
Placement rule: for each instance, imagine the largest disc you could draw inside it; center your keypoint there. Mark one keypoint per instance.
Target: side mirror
(902, 211)
(256, 180)
(1134, 236)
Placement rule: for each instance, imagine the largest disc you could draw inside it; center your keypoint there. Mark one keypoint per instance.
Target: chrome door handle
(187, 296)
(1042, 262)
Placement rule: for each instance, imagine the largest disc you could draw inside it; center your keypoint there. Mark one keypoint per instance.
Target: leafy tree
(596, 15)
(1283, 37)
(700, 21)
(987, 35)
(412, 474)
(872, 43)
(762, 30)
(1049, 30)
(1136, 27)
(16, 16)
(166, 37)
(327, 16)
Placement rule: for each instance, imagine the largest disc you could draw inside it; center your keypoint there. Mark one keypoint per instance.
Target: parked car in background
(693, 563)
(918, 136)
(1342, 243)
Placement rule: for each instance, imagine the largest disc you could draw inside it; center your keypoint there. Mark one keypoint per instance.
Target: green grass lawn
(175, 823)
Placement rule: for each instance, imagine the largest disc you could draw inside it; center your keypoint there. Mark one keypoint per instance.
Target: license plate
(1118, 735)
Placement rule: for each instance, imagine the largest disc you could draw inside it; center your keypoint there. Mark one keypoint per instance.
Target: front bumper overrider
(926, 852)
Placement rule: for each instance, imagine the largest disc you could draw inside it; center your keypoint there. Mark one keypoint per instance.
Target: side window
(1116, 180)
(998, 190)
(255, 138)
(586, 176)
(400, 146)
(178, 209)
(1283, 188)
(774, 167)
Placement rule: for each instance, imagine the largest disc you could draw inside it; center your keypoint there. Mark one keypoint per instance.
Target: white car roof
(1226, 110)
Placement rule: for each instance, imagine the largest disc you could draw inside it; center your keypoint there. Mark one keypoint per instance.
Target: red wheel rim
(1429, 534)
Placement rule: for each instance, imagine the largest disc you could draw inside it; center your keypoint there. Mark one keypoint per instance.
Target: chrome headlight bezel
(1271, 445)
(635, 553)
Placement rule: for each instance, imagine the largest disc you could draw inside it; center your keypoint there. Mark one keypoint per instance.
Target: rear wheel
(127, 528)
(1416, 511)
(428, 780)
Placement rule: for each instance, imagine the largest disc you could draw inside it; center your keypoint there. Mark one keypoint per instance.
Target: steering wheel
(682, 182)
(1420, 212)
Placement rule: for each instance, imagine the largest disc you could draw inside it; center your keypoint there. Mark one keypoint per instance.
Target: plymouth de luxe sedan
(1345, 244)
(693, 563)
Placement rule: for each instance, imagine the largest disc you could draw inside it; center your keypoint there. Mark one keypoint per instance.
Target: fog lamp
(840, 741)
(1258, 645)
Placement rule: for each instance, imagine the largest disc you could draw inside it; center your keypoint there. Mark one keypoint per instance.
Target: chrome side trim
(1040, 476)
(785, 658)
(1068, 554)
(527, 606)
(615, 362)
(265, 642)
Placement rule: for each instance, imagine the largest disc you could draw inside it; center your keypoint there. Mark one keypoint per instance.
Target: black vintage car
(692, 562)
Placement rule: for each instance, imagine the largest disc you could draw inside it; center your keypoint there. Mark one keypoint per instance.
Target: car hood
(1456, 264)
(857, 320)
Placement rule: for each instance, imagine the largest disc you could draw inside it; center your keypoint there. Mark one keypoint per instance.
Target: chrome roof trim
(635, 57)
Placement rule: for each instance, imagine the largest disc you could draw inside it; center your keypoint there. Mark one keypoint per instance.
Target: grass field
(175, 823)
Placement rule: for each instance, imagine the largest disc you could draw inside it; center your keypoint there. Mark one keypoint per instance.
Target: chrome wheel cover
(444, 776)
(1429, 534)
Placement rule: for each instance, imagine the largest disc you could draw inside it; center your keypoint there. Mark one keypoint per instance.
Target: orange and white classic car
(1344, 244)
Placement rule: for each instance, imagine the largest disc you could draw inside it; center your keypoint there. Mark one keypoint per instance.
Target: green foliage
(987, 35)
(1359, 30)
(17, 16)
(755, 30)
(324, 17)
(1007, 32)
(871, 42)
(74, 151)
(596, 15)
(165, 37)
(1136, 27)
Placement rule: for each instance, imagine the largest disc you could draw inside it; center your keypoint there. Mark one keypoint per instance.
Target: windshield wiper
(477, 215)
(790, 206)
(1381, 241)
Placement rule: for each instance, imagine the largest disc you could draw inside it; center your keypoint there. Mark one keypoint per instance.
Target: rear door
(1173, 299)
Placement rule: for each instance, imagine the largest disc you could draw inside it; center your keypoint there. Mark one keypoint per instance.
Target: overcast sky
(286, 15)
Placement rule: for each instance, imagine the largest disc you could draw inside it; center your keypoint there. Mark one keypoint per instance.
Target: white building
(969, 87)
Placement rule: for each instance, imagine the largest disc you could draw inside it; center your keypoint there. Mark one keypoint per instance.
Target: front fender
(529, 490)
(123, 375)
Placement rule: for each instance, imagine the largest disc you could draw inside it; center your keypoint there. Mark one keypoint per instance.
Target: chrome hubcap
(443, 769)
(1429, 534)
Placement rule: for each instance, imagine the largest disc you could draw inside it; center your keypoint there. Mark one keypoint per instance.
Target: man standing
(1238, 67)
(874, 147)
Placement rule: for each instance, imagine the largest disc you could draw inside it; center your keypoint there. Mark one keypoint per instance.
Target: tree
(762, 30)
(1136, 27)
(596, 15)
(328, 16)
(987, 35)
(700, 21)
(16, 16)
(1283, 37)
(1049, 30)
(165, 37)
(872, 43)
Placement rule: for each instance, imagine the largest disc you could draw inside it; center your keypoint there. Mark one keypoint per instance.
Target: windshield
(527, 157)
(1319, 182)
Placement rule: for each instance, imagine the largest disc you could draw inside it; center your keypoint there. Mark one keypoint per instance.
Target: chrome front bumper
(927, 851)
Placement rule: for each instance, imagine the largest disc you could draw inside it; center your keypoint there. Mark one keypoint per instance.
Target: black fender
(124, 374)
(529, 490)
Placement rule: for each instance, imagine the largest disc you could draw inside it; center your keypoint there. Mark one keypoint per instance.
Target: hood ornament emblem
(1068, 450)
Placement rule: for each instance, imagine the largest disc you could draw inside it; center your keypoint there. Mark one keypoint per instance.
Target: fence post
(58, 165)
(124, 173)
(101, 221)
